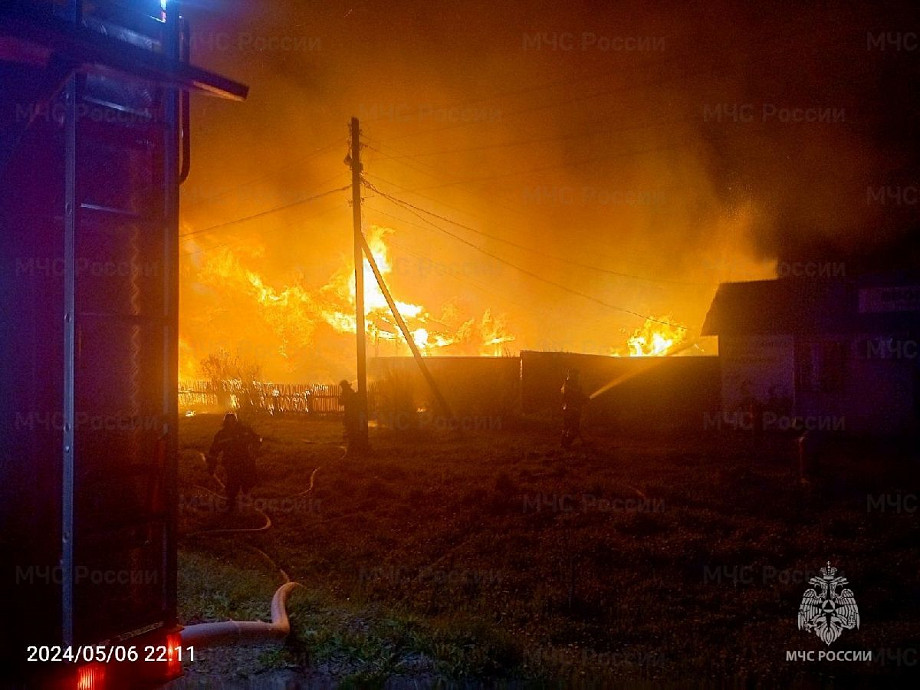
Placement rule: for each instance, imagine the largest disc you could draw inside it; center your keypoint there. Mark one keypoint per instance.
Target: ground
(494, 557)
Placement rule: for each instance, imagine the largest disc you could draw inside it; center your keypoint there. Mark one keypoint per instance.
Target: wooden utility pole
(355, 161)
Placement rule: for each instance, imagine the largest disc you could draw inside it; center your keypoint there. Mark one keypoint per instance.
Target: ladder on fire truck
(99, 150)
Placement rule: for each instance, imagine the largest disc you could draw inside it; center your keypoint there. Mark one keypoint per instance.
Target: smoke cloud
(634, 155)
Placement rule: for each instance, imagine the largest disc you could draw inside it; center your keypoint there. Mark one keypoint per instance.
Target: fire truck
(94, 143)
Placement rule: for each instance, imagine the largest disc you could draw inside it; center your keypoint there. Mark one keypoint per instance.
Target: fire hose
(232, 632)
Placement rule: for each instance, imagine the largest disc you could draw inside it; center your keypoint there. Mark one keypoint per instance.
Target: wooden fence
(271, 398)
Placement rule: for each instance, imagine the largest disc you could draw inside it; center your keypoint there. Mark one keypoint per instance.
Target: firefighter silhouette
(348, 399)
(235, 444)
(573, 401)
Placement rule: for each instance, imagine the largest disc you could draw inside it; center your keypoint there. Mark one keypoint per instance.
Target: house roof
(802, 305)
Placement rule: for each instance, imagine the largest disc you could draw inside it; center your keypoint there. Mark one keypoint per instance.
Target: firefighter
(235, 443)
(573, 401)
(348, 399)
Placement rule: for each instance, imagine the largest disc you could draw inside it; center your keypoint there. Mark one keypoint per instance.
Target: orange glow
(188, 364)
(173, 655)
(655, 338)
(293, 317)
(342, 286)
(91, 677)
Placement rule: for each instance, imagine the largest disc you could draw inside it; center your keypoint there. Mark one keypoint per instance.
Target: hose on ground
(232, 632)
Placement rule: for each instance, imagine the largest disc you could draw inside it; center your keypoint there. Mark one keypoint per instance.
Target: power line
(709, 69)
(502, 295)
(447, 270)
(530, 89)
(525, 271)
(265, 213)
(228, 190)
(541, 140)
(594, 159)
(513, 210)
(557, 258)
(536, 251)
(286, 225)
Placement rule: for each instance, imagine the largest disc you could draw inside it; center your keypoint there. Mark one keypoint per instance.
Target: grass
(496, 557)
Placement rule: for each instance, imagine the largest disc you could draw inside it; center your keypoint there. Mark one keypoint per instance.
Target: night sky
(580, 165)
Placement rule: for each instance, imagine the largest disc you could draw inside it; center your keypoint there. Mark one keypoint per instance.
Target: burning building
(299, 329)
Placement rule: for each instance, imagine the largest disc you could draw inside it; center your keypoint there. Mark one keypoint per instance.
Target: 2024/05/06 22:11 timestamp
(108, 653)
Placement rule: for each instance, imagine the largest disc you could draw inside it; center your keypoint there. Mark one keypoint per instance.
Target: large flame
(294, 314)
(379, 321)
(656, 338)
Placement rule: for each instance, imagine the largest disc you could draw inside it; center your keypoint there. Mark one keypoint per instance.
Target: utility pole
(355, 161)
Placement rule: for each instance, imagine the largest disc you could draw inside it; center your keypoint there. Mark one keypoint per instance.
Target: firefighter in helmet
(235, 444)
